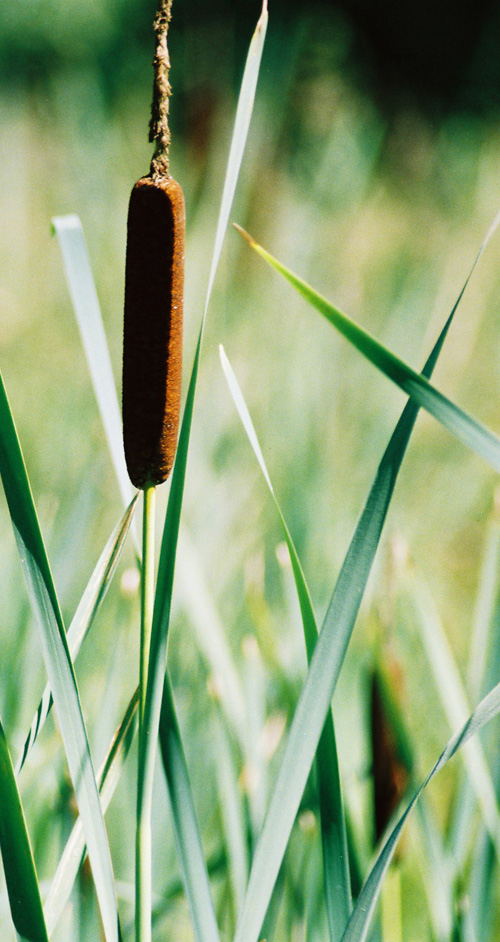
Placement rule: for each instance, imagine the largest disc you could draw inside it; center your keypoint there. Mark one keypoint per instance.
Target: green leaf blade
(88, 314)
(57, 659)
(244, 111)
(466, 429)
(19, 867)
(186, 832)
(359, 924)
(81, 623)
(74, 852)
(324, 669)
(333, 830)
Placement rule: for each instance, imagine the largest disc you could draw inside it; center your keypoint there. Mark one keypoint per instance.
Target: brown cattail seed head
(152, 343)
(390, 772)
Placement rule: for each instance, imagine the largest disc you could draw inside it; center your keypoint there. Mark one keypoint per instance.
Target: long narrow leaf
(18, 863)
(462, 425)
(326, 663)
(86, 305)
(57, 659)
(200, 607)
(436, 863)
(359, 923)
(454, 702)
(479, 917)
(187, 837)
(84, 616)
(241, 125)
(333, 831)
(156, 685)
(74, 852)
(192, 583)
(232, 813)
(484, 609)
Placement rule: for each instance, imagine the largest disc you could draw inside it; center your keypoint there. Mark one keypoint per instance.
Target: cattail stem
(152, 366)
(143, 833)
(147, 588)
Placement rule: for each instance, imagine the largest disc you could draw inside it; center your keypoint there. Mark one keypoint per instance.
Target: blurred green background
(374, 182)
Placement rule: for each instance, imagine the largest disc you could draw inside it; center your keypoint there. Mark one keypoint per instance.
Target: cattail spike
(154, 285)
(152, 345)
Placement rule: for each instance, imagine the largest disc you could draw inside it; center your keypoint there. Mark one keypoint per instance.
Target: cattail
(154, 284)
(390, 768)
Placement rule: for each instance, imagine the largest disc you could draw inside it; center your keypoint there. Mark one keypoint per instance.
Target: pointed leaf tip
(248, 238)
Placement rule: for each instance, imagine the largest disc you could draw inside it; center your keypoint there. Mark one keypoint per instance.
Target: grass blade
(454, 701)
(187, 837)
(241, 125)
(57, 659)
(484, 609)
(459, 423)
(197, 599)
(326, 663)
(81, 623)
(359, 924)
(333, 832)
(88, 313)
(201, 610)
(157, 686)
(74, 852)
(478, 918)
(18, 863)
(232, 813)
(174, 890)
(436, 864)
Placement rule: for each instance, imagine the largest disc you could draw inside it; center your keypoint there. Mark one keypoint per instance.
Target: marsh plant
(280, 853)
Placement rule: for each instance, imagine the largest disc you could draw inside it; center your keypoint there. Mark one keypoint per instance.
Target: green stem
(143, 833)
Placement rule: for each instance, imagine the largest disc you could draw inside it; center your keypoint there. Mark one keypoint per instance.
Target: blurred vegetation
(442, 55)
(383, 211)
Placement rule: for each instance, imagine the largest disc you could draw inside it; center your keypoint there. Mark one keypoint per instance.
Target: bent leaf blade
(43, 599)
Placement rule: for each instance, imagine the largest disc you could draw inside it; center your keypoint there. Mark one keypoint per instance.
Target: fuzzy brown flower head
(152, 336)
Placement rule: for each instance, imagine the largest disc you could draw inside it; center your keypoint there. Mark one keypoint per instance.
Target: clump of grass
(237, 889)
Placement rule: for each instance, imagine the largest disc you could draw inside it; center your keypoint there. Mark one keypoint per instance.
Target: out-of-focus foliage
(440, 55)
(384, 216)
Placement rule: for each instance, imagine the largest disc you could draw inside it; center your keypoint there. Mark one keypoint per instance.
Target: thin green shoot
(470, 432)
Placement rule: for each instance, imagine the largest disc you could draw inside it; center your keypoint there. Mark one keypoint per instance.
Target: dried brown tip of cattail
(159, 131)
(152, 344)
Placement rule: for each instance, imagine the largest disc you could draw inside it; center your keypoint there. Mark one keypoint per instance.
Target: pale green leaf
(82, 620)
(57, 659)
(74, 851)
(88, 313)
